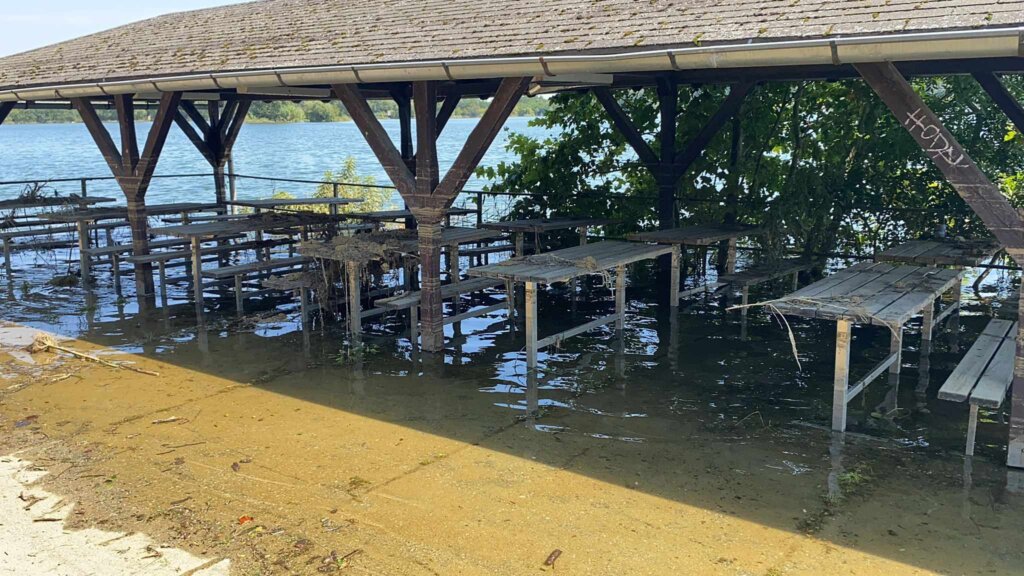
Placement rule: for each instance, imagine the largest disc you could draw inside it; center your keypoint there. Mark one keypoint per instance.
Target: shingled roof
(392, 34)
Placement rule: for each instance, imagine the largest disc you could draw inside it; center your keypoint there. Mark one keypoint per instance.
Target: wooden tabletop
(47, 202)
(876, 293)
(96, 214)
(940, 252)
(391, 215)
(453, 236)
(566, 264)
(545, 224)
(285, 202)
(702, 235)
(250, 224)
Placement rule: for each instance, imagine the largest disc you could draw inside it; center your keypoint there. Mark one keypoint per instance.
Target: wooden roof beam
(388, 155)
(5, 110)
(1002, 97)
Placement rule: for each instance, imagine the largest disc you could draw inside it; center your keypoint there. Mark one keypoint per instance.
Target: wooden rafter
(388, 155)
(480, 139)
(984, 197)
(195, 137)
(624, 124)
(1002, 97)
(99, 134)
(5, 110)
(737, 95)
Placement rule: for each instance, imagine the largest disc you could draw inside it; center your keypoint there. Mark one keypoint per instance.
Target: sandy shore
(283, 475)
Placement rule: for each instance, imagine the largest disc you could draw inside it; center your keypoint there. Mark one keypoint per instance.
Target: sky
(28, 25)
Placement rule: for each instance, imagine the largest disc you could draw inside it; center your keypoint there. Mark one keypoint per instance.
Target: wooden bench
(240, 271)
(411, 301)
(9, 245)
(984, 374)
(767, 272)
(301, 281)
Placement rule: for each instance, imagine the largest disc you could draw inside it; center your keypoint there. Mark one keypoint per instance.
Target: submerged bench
(767, 272)
(985, 373)
(411, 301)
(240, 271)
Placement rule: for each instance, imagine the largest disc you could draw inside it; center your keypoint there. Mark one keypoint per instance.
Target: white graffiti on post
(937, 145)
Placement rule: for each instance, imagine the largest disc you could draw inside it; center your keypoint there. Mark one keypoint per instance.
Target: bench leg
(239, 299)
(519, 244)
(796, 281)
(620, 297)
(304, 306)
(414, 325)
(7, 259)
(531, 325)
(730, 257)
(197, 274)
(673, 289)
(745, 300)
(162, 272)
(115, 263)
(896, 347)
(842, 375)
(972, 429)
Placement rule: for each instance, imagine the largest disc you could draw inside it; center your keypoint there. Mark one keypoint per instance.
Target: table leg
(163, 282)
(455, 276)
(531, 325)
(115, 264)
(7, 258)
(842, 375)
(197, 274)
(928, 321)
(519, 244)
(896, 347)
(673, 294)
(730, 258)
(83, 247)
(355, 324)
(620, 297)
(239, 299)
(414, 325)
(972, 430)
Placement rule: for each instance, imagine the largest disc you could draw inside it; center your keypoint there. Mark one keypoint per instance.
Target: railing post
(479, 209)
(85, 187)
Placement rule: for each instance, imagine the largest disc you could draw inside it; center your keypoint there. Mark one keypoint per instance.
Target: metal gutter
(979, 43)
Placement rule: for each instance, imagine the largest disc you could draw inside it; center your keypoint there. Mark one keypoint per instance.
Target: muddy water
(688, 444)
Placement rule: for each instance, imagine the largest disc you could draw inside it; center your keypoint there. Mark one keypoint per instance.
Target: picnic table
(399, 244)
(565, 265)
(52, 202)
(961, 254)
(272, 203)
(698, 237)
(382, 216)
(871, 293)
(538, 226)
(196, 233)
(83, 218)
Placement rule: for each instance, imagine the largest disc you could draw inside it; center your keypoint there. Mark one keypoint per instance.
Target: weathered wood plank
(258, 266)
(964, 377)
(703, 235)
(569, 263)
(990, 391)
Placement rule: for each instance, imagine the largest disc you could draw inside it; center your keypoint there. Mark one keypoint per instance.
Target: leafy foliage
(350, 185)
(824, 165)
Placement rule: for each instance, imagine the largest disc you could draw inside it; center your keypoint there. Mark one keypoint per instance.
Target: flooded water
(692, 407)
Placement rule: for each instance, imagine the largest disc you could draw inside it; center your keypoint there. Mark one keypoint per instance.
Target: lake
(299, 151)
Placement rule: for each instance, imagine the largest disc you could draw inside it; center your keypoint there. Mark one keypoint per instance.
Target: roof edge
(943, 45)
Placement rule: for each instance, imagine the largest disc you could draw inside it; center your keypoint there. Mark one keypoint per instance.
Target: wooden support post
(431, 305)
(5, 110)
(531, 325)
(841, 380)
(133, 169)
(427, 194)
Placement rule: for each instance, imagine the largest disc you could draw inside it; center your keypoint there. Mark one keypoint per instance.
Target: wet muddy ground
(678, 447)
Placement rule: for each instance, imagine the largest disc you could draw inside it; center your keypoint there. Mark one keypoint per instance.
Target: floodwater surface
(688, 444)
